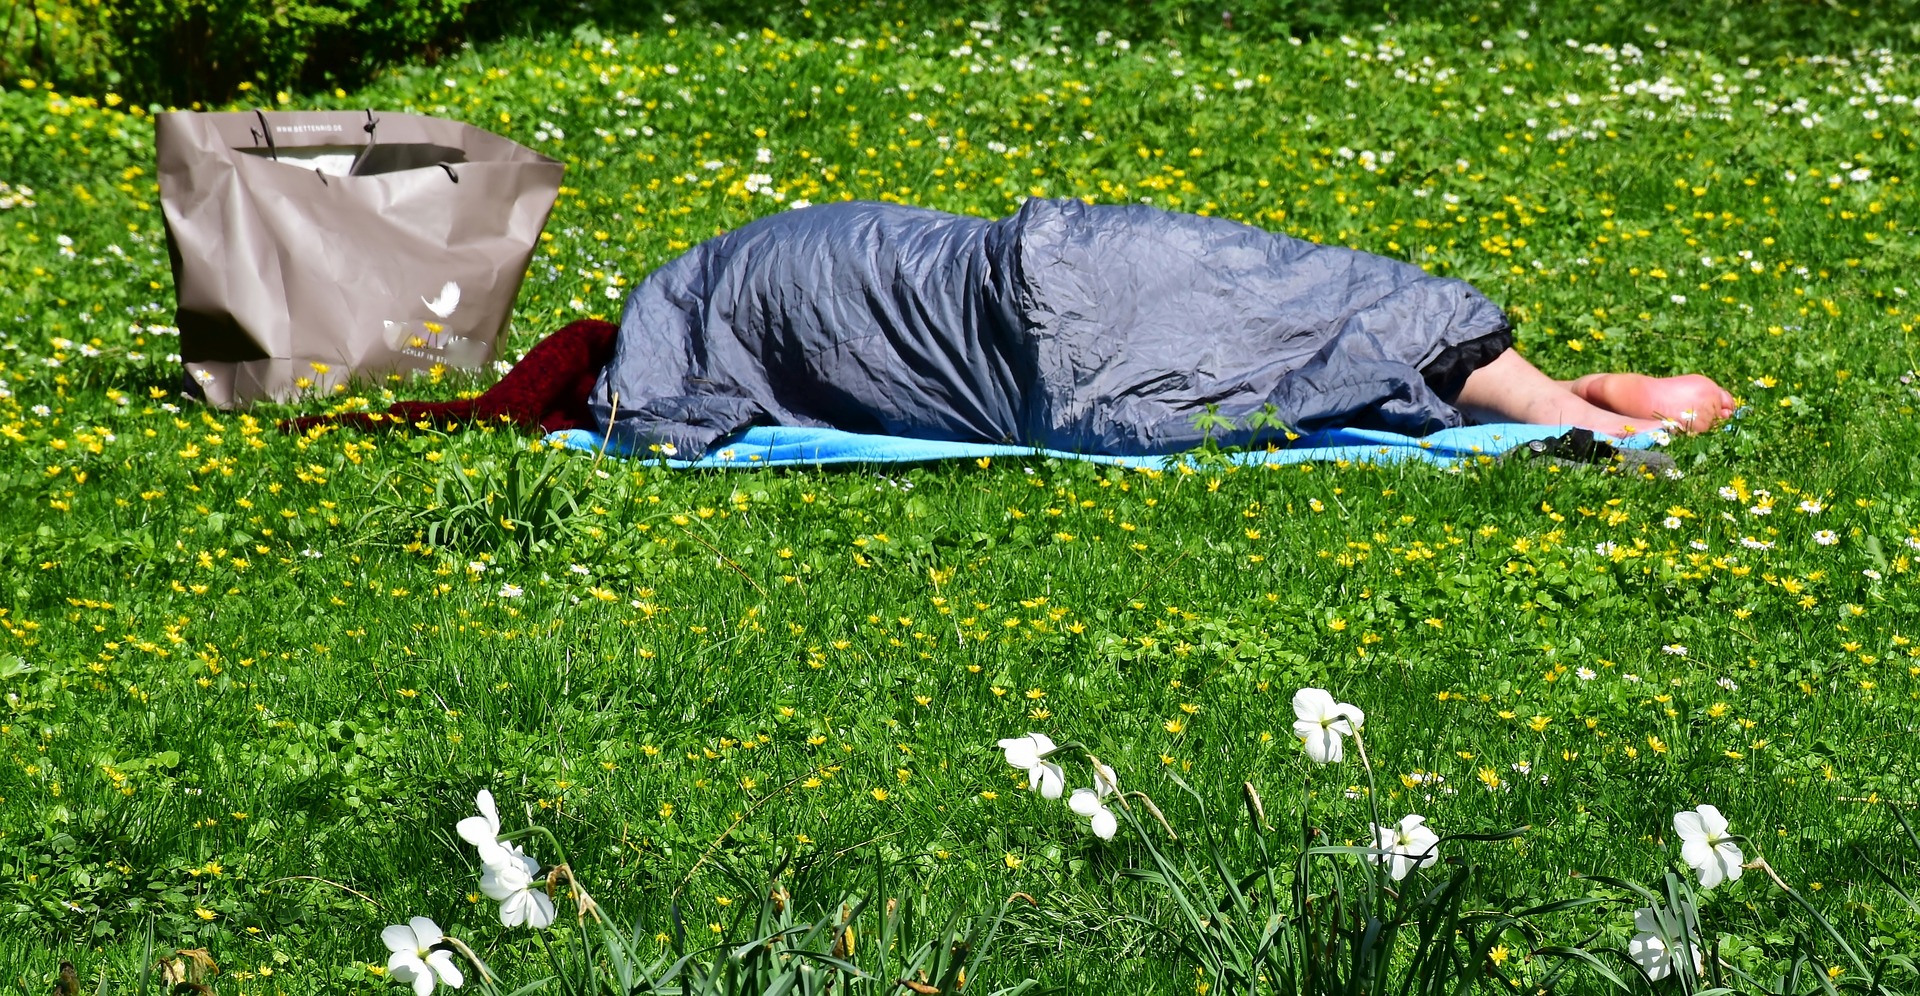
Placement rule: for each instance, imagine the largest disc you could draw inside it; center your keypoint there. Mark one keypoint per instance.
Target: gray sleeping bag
(1094, 329)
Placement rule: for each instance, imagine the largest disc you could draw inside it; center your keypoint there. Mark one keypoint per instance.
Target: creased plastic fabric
(1066, 326)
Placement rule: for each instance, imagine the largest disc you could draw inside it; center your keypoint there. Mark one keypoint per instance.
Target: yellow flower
(1499, 955)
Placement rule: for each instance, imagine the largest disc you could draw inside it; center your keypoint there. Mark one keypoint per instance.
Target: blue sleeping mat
(788, 446)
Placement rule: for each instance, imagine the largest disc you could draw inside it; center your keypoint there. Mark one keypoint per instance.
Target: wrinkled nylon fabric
(1084, 328)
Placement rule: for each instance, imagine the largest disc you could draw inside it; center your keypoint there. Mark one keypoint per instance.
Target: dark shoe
(1578, 447)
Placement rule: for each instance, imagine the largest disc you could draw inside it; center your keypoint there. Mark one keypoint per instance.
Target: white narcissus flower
(1025, 753)
(1402, 848)
(415, 960)
(483, 831)
(511, 884)
(1648, 948)
(1322, 723)
(1705, 846)
(507, 872)
(1087, 803)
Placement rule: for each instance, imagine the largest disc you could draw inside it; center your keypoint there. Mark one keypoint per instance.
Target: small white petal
(1105, 781)
(1322, 743)
(1383, 841)
(1651, 948)
(1105, 825)
(1695, 851)
(476, 830)
(399, 938)
(527, 862)
(1049, 780)
(1710, 872)
(442, 964)
(1402, 865)
(404, 965)
(1086, 802)
(513, 909)
(415, 972)
(1311, 705)
(1727, 855)
(540, 914)
(1423, 847)
(493, 853)
(425, 932)
(1650, 953)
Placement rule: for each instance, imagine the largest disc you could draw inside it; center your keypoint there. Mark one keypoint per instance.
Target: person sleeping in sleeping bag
(1088, 328)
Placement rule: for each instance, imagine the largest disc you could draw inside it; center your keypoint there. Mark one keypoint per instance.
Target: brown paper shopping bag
(309, 246)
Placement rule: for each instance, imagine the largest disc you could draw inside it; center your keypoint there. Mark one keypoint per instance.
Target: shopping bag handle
(372, 123)
(267, 133)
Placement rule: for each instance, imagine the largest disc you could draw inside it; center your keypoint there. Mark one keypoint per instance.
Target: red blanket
(546, 390)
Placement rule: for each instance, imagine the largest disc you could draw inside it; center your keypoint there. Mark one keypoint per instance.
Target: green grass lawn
(245, 701)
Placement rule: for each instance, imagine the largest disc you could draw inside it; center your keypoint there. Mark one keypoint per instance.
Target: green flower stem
(1382, 873)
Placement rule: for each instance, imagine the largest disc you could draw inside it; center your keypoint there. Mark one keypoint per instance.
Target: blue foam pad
(788, 446)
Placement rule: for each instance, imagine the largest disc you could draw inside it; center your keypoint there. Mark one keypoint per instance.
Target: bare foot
(1689, 403)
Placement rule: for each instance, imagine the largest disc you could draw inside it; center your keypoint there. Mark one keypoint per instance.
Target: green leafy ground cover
(246, 698)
